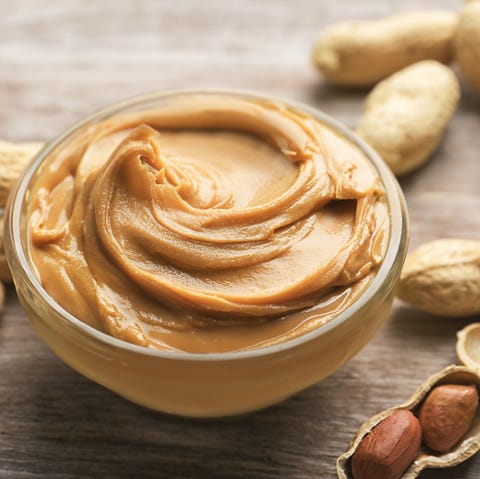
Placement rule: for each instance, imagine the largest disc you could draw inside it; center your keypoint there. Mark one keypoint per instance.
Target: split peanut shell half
(468, 346)
(467, 447)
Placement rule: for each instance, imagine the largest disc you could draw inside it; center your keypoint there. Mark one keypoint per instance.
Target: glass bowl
(216, 384)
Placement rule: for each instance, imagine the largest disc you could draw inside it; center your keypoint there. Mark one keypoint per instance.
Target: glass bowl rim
(396, 249)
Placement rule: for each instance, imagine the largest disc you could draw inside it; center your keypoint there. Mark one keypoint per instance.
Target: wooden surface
(61, 60)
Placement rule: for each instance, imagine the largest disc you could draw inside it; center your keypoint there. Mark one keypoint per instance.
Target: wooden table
(61, 60)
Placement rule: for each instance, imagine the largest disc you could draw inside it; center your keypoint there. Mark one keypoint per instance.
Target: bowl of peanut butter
(206, 252)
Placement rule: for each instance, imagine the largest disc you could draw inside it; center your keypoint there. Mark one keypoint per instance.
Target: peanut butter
(208, 224)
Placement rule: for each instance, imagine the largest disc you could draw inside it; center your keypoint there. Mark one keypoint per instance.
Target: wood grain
(61, 60)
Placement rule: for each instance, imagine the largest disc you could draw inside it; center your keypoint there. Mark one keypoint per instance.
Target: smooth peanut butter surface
(207, 224)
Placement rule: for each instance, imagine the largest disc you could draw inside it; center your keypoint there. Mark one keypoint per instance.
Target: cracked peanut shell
(464, 449)
(468, 346)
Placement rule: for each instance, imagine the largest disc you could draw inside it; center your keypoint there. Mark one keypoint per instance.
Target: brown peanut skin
(389, 448)
(447, 414)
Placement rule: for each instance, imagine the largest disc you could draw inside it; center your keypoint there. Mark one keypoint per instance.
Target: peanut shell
(468, 346)
(14, 157)
(406, 115)
(443, 277)
(467, 43)
(361, 53)
(467, 447)
(4, 270)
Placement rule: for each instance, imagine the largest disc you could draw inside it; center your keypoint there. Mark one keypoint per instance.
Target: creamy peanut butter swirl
(207, 224)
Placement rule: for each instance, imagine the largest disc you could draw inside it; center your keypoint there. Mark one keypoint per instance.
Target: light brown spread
(208, 224)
